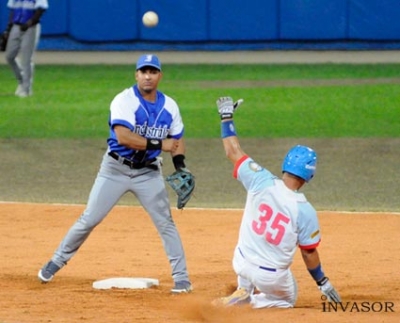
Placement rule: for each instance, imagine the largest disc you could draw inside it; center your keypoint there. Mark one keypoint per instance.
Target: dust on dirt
(357, 252)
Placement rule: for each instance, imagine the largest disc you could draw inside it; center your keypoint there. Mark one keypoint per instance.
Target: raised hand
(226, 107)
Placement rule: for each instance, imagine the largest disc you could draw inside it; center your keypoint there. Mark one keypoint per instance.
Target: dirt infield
(359, 251)
(359, 254)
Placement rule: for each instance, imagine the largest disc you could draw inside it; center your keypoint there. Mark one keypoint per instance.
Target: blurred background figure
(24, 33)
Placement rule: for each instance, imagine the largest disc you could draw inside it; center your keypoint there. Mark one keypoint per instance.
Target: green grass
(73, 101)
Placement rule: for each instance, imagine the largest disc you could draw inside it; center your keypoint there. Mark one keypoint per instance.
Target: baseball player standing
(277, 218)
(24, 33)
(143, 122)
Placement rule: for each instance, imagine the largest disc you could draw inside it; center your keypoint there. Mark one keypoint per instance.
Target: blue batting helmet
(300, 161)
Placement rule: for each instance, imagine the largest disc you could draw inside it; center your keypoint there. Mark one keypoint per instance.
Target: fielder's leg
(153, 196)
(108, 188)
(28, 44)
(13, 47)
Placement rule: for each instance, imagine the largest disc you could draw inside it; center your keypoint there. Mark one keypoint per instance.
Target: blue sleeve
(308, 226)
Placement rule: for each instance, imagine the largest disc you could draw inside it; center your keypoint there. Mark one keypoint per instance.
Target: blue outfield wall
(219, 24)
(313, 20)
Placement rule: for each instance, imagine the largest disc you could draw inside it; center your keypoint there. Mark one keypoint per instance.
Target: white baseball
(150, 19)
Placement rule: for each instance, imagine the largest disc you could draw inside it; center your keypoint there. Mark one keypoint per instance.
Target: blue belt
(261, 267)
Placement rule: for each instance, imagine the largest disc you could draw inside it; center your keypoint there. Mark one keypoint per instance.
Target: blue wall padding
(179, 20)
(4, 13)
(237, 20)
(55, 20)
(106, 20)
(216, 23)
(374, 19)
(313, 20)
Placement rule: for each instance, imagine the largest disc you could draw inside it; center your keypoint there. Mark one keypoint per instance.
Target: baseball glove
(182, 182)
(3, 41)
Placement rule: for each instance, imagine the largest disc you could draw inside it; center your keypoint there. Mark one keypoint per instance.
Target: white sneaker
(22, 94)
(19, 90)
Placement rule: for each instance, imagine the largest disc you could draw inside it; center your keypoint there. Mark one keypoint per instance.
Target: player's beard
(147, 90)
(147, 87)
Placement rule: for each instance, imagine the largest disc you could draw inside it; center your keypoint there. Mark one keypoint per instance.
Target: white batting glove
(226, 107)
(328, 290)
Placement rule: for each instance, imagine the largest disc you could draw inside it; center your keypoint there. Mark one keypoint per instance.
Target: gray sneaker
(47, 272)
(182, 287)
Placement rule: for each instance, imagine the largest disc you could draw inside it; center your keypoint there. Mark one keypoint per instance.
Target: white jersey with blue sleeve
(158, 120)
(276, 219)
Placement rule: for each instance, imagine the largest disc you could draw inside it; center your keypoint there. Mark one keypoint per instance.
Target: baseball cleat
(19, 89)
(239, 297)
(22, 94)
(182, 287)
(46, 274)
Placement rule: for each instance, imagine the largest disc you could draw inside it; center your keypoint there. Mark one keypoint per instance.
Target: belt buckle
(134, 165)
(120, 159)
(129, 163)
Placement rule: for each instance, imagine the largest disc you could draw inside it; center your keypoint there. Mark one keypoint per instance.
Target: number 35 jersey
(276, 219)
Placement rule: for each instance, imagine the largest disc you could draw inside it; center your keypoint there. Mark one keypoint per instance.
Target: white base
(125, 282)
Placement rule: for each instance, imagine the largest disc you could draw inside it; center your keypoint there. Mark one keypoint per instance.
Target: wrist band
(228, 129)
(317, 273)
(178, 161)
(153, 144)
